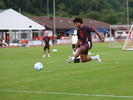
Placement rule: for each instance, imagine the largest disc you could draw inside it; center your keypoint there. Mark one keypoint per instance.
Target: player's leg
(5, 44)
(84, 58)
(48, 53)
(81, 50)
(97, 57)
(44, 52)
(84, 52)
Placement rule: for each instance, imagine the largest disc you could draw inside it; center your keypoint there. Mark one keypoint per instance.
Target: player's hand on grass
(74, 49)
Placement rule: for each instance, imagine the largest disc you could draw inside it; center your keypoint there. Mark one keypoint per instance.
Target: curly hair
(78, 20)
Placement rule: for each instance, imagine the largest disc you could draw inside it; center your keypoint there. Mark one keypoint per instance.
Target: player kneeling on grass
(84, 35)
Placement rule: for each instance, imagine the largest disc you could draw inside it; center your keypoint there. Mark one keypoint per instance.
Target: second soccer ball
(89, 53)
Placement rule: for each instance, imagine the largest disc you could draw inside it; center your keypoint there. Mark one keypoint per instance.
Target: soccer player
(46, 42)
(3, 42)
(84, 35)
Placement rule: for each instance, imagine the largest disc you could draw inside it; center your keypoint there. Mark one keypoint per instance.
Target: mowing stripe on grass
(76, 94)
(101, 53)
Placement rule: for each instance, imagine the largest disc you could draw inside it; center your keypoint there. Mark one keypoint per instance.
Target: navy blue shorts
(88, 46)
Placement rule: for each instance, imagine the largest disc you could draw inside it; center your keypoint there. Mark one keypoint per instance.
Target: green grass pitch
(111, 80)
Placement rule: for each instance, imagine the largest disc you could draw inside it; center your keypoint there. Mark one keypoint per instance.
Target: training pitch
(111, 80)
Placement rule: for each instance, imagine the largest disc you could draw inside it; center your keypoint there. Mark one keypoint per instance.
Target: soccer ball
(38, 66)
(89, 53)
(54, 50)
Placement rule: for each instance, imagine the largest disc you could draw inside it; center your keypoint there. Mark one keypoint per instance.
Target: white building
(18, 27)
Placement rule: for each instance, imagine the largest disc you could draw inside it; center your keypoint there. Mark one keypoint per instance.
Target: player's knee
(83, 61)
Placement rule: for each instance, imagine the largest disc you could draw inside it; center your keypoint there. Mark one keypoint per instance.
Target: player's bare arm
(101, 39)
(78, 42)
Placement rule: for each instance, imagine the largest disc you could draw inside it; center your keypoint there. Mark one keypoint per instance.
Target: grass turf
(112, 77)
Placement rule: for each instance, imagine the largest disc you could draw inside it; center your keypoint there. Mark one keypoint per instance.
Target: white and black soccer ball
(38, 66)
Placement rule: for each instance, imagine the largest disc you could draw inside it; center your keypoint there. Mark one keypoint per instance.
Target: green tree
(101, 5)
(121, 17)
(61, 6)
(28, 7)
(65, 14)
(24, 13)
(131, 13)
(94, 15)
(77, 7)
(8, 3)
(37, 12)
(130, 3)
(74, 8)
(112, 19)
(82, 15)
(94, 5)
(107, 12)
(2, 5)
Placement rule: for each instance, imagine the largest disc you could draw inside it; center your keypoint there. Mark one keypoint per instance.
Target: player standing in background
(84, 35)
(46, 43)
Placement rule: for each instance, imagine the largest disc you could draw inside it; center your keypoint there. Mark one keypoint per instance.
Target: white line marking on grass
(23, 62)
(76, 94)
(116, 62)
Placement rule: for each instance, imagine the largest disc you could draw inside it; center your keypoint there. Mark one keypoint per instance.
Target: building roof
(12, 20)
(67, 23)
